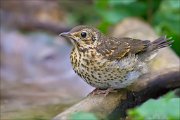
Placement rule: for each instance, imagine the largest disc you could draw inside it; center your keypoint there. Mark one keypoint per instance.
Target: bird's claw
(100, 91)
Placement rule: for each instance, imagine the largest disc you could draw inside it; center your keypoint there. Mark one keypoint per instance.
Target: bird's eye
(83, 34)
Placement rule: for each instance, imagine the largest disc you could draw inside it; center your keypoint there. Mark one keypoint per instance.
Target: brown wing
(113, 48)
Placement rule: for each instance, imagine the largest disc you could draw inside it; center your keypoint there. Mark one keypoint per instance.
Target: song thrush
(107, 62)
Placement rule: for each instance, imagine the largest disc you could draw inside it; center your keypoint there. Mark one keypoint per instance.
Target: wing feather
(113, 48)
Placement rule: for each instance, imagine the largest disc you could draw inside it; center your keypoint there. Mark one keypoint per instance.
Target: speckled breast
(100, 72)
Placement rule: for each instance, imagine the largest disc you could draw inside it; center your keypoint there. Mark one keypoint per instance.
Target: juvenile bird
(108, 63)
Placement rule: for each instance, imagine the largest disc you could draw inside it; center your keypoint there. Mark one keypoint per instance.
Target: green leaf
(120, 2)
(167, 21)
(83, 116)
(101, 4)
(112, 16)
(166, 107)
(103, 26)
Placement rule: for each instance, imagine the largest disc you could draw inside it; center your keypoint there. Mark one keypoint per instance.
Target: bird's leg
(98, 91)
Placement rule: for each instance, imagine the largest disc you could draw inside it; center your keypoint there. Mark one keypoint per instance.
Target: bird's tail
(152, 47)
(159, 43)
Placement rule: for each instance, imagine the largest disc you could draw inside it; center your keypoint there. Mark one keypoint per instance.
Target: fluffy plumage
(108, 62)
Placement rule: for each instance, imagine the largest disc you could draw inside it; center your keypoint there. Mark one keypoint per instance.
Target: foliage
(165, 108)
(83, 116)
(167, 21)
(113, 11)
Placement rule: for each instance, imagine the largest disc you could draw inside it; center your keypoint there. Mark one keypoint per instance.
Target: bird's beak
(69, 36)
(65, 34)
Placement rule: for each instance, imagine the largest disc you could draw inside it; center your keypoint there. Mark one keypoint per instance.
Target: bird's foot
(104, 92)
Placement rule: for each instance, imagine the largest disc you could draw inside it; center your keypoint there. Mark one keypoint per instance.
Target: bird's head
(83, 37)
